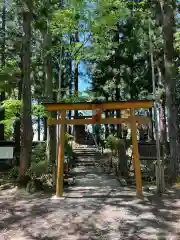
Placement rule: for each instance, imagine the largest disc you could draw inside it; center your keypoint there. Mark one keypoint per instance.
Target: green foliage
(68, 146)
(13, 173)
(12, 108)
(12, 112)
(69, 137)
(37, 169)
(40, 168)
(113, 46)
(63, 22)
(113, 143)
(38, 110)
(39, 153)
(9, 76)
(76, 99)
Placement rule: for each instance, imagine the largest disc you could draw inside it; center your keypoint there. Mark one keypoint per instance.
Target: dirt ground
(97, 208)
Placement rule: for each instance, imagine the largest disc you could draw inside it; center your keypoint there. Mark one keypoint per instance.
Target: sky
(83, 80)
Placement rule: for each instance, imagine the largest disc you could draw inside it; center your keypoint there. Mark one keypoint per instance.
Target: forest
(125, 49)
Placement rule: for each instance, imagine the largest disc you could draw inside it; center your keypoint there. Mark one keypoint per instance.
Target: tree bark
(45, 129)
(39, 128)
(17, 124)
(76, 75)
(26, 123)
(168, 8)
(70, 85)
(3, 61)
(118, 114)
(51, 132)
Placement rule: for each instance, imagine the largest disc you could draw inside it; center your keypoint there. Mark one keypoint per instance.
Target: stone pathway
(97, 208)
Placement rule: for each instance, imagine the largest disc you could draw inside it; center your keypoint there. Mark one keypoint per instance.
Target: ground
(97, 208)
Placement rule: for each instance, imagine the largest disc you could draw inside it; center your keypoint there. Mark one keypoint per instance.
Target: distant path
(97, 208)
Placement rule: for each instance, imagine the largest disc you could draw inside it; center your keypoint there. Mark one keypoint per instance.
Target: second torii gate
(99, 107)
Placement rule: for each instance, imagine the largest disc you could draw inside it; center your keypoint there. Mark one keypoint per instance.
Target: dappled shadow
(95, 208)
(154, 217)
(112, 216)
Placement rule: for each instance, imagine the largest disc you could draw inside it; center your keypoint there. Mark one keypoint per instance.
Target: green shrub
(40, 171)
(13, 173)
(37, 169)
(39, 152)
(12, 110)
(112, 142)
(69, 137)
(68, 147)
(38, 175)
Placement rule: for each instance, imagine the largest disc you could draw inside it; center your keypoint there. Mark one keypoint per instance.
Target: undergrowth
(40, 173)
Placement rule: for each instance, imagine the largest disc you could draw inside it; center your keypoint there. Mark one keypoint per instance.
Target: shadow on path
(96, 208)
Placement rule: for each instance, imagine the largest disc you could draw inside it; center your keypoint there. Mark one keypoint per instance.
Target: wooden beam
(104, 106)
(136, 160)
(70, 122)
(60, 164)
(139, 119)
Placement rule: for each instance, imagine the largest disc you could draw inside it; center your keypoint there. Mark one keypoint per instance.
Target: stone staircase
(85, 155)
(87, 165)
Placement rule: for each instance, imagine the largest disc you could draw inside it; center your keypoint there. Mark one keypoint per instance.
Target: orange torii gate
(99, 107)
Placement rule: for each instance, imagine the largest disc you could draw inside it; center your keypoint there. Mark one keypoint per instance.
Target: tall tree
(3, 61)
(51, 140)
(168, 9)
(27, 131)
(76, 72)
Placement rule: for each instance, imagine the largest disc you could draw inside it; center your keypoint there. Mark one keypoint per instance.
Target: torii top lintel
(146, 104)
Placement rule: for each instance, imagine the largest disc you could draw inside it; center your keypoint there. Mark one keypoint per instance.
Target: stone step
(82, 154)
(85, 164)
(85, 152)
(85, 149)
(85, 160)
(85, 156)
(85, 146)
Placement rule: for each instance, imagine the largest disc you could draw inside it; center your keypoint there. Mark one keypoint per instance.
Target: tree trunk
(3, 60)
(168, 13)
(151, 127)
(117, 66)
(2, 115)
(76, 73)
(107, 114)
(45, 129)
(39, 128)
(70, 82)
(27, 131)
(51, 139)
(17, 124)
(112, 126)
(118, 114)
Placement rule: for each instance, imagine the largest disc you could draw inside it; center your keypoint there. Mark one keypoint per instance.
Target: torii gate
(99, 107)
